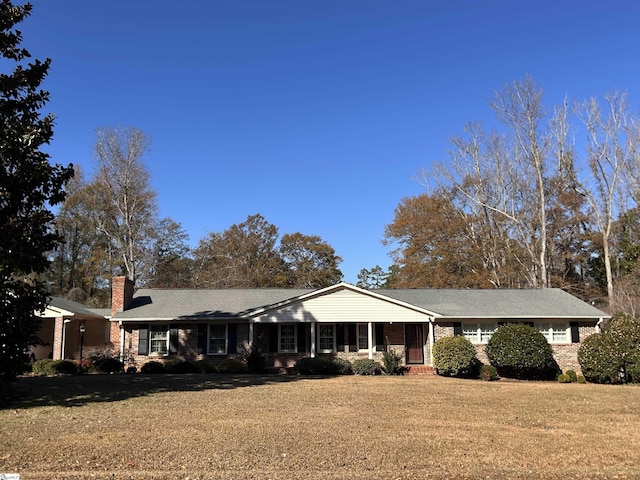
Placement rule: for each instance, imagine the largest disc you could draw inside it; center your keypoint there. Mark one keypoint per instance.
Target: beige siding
(344, 306)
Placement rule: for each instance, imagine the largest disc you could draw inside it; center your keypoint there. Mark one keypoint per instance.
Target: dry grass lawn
(287, 427)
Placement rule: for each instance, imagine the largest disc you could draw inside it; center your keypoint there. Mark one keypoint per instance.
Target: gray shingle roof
(157, 304)
(75, 307)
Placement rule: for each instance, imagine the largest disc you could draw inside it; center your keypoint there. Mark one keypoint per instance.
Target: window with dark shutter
(353, 338)
(303, 333)
(143, 340)
(575, 332)
(379, 337)
(202, 339)
(173, 339)
(340, 337)
(273, 338)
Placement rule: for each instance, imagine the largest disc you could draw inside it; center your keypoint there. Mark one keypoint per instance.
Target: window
(555, 332)
(287, 340)
(326, 338)
(478, 332)
(363, 336)
(159, 340)
(217, 339)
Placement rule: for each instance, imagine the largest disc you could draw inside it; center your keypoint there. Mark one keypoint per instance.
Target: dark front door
(414, 343)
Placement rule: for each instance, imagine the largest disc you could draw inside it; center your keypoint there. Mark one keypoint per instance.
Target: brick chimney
(121, 294)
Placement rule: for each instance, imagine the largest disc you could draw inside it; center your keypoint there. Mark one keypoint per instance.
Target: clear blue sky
(316, 114)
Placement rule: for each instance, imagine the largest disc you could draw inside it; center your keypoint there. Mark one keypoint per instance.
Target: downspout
(122, 334)
(64, 337)
(599, 325)
(431, 341)
(250, 333)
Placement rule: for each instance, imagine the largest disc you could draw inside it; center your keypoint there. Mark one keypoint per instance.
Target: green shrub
(43, 367)
(152, 367)
(573, 376)
(230, 365)
(180, 366)
(392, 363)
(323, 366)
(564, 378)
(581, 379)
(256, 358)
(600, 359)
(455, 357)
(366, 366)
(488, 373)
(206, 366)
(67, 367)
(106, 365)
(520, 351)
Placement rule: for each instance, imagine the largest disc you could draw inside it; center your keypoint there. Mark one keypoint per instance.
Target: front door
(414, 343)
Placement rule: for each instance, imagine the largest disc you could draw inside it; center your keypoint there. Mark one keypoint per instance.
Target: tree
(125, 204)
(372, 279)
(243, 256)
(172, 262)
(312, 262)
(29, 186)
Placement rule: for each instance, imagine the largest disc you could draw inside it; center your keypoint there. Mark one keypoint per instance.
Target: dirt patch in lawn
(245, 426)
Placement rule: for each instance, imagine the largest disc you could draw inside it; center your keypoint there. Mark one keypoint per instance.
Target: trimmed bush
(488, 373)
(206, 366)
(564, 378)
(67, 367)
(455, 357)
(612, 356)
(230, 365)
(573, 376)
(152, 367)
(323, 366)
(180, 366)
(392, 363)
(43, 367)
(520, 351)
(106, 365)
(581, 379)
(366, 366)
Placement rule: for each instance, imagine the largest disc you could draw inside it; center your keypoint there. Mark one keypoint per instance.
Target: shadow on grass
(79, 390)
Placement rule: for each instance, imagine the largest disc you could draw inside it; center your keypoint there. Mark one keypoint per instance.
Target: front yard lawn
(288, 427)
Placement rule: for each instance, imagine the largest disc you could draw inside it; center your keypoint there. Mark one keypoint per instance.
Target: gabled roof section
(335, 288)
(59, 306)
(498, 303)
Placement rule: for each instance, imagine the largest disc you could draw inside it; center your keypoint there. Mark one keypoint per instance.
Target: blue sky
(315, 114)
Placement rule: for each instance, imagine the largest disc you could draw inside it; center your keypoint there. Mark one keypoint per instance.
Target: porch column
(431, 340)
(370, 338)
(250, 334)
(122, 340)
(313, 339)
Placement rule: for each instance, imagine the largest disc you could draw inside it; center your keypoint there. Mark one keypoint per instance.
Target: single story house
(60, 329)
(341, 320)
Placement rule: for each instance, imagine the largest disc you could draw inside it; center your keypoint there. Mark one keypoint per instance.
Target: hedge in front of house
(612, 356)
(366, 366)
(46, 366)
(518, 350)
(455, 357)
(323, 366)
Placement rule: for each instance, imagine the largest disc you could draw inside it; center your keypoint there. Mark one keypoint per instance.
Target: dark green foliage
(612, 356)
(67, 367)
(153, 367)
(520, 351)
(455, 357)
(181, 366)
(29, 186)
(230, 365)
(206, 366)
(256, 358)
(106, 365)
(392, 363)
(42, 367)
(366, 366)
(573, 376)
(46, 366)
(488, 373)
(323, 366)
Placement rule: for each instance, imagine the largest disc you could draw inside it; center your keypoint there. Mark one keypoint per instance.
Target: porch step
(420, 370)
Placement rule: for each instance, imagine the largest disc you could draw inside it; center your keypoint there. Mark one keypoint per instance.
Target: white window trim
(548, 332)
(167, 332)
(358, 337)
(333, 340)
(295, 338)
(226, 340)
(478, 327)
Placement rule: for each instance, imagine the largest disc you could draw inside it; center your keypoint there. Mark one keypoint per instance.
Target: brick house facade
(342, 321)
